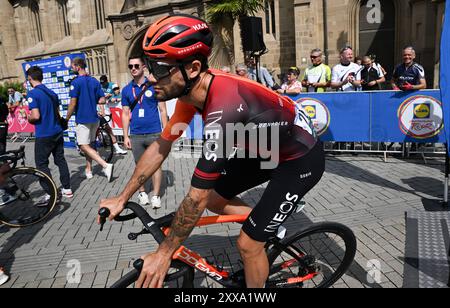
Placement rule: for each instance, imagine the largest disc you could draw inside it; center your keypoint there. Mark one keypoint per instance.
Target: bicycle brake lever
(134, 236)
(103, 213)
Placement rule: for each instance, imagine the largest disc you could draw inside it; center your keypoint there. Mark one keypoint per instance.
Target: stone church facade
(108, 32)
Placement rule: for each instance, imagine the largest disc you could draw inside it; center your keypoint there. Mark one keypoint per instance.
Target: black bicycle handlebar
(153, 226)
(12, 157)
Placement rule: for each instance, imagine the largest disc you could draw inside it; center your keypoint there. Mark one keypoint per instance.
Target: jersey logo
(240, 109)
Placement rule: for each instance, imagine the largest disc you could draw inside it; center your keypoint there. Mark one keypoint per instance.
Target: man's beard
(162, 96)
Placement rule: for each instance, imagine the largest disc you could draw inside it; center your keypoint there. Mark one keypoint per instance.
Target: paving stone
(365, 193)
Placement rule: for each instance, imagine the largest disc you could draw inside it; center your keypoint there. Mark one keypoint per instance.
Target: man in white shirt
(346, 76)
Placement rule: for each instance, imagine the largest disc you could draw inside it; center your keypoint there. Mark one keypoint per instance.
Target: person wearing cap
(292, 86)
(116, 98)
(107, 86)
(177, 49)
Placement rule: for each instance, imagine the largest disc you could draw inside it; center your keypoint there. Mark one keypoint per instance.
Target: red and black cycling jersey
(241, 115)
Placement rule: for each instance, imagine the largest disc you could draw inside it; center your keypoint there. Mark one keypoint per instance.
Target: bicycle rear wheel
(27, 197)
(312, 258)
(176, 277)
(104, 145)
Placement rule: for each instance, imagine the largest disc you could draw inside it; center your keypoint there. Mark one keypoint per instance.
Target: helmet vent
(170, 33)
(158, 52)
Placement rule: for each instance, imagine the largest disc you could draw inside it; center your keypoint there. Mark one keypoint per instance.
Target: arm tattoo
(142, 179)
(184, 221)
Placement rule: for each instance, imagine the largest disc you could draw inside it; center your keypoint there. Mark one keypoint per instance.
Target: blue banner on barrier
(382, 116)
(338, 116)
(445, 70)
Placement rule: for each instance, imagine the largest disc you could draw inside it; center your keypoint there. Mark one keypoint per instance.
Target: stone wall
(299, 28)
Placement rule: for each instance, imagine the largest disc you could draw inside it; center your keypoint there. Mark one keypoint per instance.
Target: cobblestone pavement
(364, 193)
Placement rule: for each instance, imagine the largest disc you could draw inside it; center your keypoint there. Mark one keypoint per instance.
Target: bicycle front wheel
(27, 197)
(104, 145)
(312, 258)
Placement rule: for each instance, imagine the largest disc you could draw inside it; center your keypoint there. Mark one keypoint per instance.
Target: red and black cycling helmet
(178, 37)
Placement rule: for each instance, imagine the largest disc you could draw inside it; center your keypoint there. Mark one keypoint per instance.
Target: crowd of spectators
(361, 73)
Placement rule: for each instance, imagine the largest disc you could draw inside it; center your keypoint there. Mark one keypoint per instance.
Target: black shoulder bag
(63, 122)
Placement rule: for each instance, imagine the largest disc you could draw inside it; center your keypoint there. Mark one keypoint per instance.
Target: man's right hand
(114, 205)
(127, 143)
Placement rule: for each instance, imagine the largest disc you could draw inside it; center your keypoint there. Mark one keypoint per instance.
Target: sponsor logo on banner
(68, 62)
(421, 117)
(318, 112)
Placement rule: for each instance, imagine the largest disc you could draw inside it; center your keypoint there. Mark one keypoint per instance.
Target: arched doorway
(135, 46)
(377, 32)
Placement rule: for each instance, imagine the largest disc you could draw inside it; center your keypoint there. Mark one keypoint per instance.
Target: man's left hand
(156, 266)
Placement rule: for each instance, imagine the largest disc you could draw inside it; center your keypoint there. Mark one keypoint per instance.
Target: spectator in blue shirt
(409, 76)
(44, 106)
(86, 93)
(145, 123)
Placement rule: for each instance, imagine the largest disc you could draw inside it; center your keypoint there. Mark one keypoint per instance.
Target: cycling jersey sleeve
(179, 122)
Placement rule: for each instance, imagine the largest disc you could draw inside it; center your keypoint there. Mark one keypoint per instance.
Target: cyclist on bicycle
(177, 49)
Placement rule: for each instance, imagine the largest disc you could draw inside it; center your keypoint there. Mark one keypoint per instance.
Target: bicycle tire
(285, 259)
(173, 279)
(26, 207)
(104, 145)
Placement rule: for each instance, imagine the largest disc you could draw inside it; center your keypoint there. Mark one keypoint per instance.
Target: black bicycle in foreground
(27, 195)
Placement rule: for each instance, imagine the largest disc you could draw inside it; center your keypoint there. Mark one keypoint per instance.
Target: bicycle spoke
(313, 259)
(29, 197)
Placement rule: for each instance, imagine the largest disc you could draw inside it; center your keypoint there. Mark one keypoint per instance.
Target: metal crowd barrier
(386, 149)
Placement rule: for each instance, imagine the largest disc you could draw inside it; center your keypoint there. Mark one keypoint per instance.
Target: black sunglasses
(160, 70)
(135, 66)
(315, 57)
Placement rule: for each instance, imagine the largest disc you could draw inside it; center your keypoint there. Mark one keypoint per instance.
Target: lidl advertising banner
(57, 77)
(445, 69)
(407, 116)
(382, 116)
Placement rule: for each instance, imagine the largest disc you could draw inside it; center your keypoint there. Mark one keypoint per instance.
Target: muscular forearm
(71, 109)
(150, 161)
(186, 218)
(126, 123)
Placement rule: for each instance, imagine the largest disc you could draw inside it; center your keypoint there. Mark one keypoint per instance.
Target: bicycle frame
(197, 262)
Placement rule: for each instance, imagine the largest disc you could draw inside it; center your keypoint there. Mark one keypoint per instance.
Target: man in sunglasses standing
(317, 78)
(145, 121)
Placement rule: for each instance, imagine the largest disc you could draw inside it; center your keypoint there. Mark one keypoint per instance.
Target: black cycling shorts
(288, 184)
